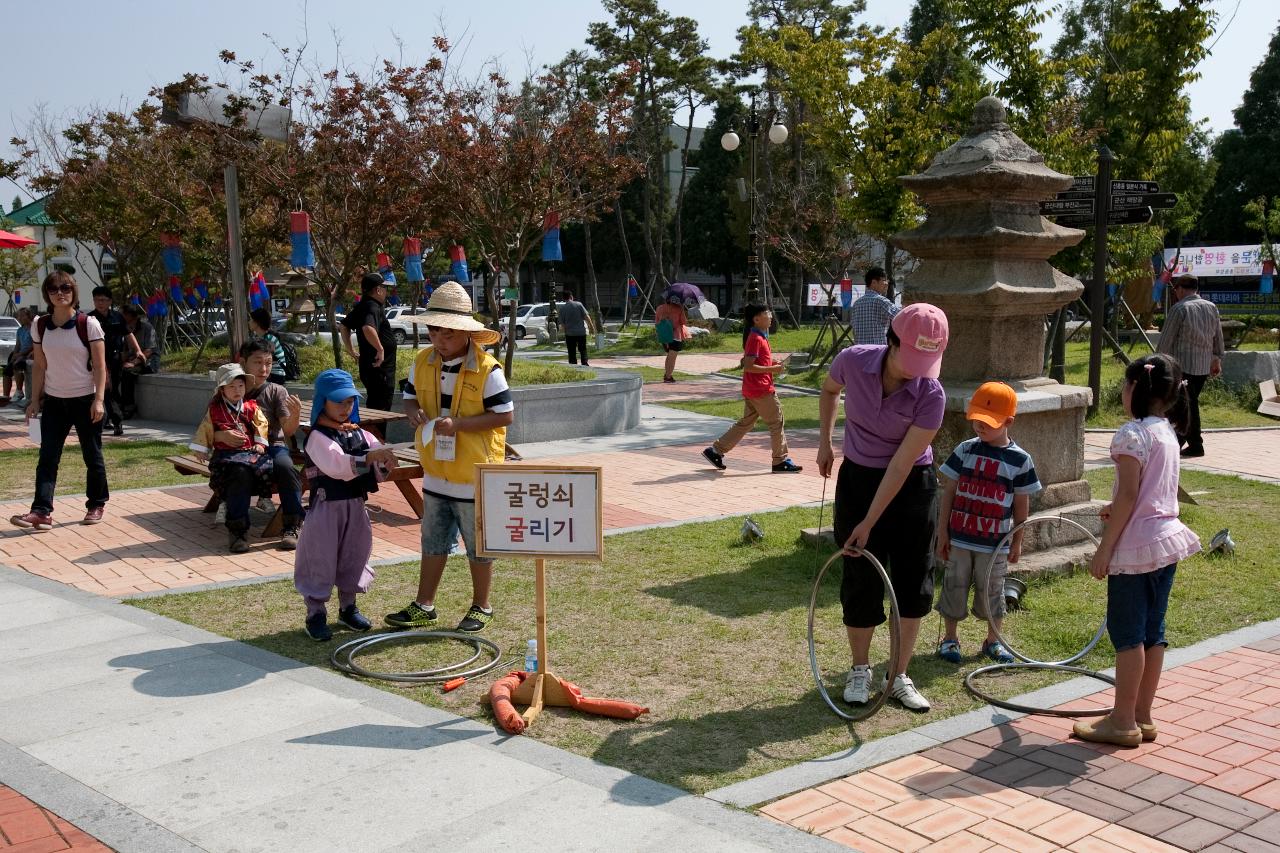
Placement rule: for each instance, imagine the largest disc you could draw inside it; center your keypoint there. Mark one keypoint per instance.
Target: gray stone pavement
(151, 735)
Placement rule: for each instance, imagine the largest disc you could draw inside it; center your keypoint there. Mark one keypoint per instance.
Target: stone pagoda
(984, 254)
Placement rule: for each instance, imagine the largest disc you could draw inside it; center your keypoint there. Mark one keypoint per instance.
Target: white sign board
(1210, 261)
(818, 294)
(539, 511)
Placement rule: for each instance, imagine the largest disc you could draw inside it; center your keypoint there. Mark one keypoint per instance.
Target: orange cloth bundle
(500, 696)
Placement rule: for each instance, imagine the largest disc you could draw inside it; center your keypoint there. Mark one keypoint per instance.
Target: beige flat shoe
(1149, 731)
(1102, 731)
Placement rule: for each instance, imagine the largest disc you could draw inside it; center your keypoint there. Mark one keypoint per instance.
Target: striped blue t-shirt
(987, 478)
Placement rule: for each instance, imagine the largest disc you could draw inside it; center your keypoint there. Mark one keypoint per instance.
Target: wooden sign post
(540, 511)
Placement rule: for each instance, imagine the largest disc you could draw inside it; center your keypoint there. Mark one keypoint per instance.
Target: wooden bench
(402, 475)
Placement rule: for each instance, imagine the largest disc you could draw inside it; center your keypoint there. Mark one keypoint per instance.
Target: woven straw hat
(450, 307)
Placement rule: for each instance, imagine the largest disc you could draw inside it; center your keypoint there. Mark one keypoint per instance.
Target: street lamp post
(730, 142)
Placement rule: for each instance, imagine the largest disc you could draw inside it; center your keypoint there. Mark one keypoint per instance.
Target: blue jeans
(58, 416)
(1136, 606)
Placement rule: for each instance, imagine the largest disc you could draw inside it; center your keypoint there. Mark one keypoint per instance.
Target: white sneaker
(857, 685)
(220, 517)
(906, 694)
(18, 402)
(266, 505)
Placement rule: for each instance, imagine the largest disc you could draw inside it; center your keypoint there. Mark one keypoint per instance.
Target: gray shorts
(442, 520)
(967, 569)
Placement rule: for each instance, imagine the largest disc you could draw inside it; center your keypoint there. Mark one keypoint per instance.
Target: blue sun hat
(336, 385)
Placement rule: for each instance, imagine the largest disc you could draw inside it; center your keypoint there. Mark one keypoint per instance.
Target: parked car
(401, 326)
(529, 318)
(9, 330)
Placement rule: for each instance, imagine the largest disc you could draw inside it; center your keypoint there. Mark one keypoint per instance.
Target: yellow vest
(473, 448)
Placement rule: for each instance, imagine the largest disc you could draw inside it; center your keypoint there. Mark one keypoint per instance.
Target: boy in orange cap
(987, 487)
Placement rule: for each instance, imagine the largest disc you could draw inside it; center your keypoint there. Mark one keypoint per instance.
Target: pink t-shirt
(1154, 537)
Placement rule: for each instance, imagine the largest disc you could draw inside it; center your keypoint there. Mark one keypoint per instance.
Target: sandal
(1103, 731)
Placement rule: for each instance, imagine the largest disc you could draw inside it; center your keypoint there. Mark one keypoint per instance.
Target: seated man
(283, 411)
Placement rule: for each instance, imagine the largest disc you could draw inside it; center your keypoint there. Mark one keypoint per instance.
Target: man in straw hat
(458, 396)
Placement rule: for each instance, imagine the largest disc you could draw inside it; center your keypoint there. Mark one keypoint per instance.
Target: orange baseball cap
(993, 404)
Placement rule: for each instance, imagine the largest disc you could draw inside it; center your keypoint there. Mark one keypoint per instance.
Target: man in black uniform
(377, 357)
(116, 335)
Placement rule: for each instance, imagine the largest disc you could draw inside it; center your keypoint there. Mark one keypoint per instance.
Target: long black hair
(1158, 389)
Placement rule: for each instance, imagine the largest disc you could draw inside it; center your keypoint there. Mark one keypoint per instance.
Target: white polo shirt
(67, 358)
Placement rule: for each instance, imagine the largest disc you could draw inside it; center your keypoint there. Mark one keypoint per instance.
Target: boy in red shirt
(760, 399)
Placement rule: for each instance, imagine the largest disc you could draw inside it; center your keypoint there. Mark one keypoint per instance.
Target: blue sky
(84, 52)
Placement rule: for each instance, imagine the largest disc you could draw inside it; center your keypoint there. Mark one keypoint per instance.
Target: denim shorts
(442, 520)
(1136, 605)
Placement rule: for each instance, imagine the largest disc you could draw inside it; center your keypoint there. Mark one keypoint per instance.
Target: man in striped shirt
(873, 312)
(1192, 334)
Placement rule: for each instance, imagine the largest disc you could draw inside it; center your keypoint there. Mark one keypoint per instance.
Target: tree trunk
(678, 242)
(592, 282)
(626, 259)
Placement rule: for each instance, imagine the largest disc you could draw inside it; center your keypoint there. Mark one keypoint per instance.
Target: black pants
(58, 416)
(900, 540)
(577, 344)
(129, 383)
(1193, 439)
(379, 384)
(111, 400)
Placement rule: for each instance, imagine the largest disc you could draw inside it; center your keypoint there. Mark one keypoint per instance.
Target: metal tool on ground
(344, 657)
(895, 632)
(1025, 662)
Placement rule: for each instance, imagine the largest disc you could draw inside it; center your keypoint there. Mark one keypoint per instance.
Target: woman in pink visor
(885, 489)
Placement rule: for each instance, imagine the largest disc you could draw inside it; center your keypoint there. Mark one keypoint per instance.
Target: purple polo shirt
(874, 425)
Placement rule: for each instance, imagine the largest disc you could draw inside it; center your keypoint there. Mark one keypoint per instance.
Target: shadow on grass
(726, 740)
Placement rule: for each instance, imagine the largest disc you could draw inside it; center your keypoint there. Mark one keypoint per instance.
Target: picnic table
(403, 475)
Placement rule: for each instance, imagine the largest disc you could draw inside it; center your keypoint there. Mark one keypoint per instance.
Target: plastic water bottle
(531, 656)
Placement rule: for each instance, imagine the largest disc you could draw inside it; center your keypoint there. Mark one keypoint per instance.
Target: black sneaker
(413, 616)
(317, 629)
(716, 459)
(475, 620)
(1192, 452)
(786, 466)
(118, 429)
(354, 619)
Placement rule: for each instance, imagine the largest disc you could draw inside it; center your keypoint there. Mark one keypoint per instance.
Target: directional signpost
(1099, 202)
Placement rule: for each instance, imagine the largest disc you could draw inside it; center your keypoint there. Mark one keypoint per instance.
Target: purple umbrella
(688, 293)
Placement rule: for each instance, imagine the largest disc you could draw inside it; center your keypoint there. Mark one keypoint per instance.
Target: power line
(1227, 27)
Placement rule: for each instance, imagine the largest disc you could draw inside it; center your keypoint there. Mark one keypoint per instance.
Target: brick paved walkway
(1254, 453)
(1211, 781)
(159, 539)
(27, 828)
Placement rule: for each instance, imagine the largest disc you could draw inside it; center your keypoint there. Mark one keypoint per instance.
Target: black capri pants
(901, 540)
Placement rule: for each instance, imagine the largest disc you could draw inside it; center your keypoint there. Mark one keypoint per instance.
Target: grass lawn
(1219, 405)
(800, 412)
(130, 465)
(319, 356)
(710, 634)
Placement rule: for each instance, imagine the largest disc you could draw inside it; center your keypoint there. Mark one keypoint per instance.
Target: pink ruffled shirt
(1154, 537)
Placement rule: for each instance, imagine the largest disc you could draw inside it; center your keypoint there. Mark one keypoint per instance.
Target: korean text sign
(539, 511)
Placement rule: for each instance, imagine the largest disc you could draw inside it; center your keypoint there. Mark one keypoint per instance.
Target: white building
(34, 222)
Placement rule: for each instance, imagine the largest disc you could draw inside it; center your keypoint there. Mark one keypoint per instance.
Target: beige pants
(767, 409)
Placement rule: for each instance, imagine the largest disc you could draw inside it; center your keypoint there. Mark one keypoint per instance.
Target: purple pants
(333, 550)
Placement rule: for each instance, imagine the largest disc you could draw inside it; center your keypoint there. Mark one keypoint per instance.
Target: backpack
(666, 331)
(292, 366)
(82, 330)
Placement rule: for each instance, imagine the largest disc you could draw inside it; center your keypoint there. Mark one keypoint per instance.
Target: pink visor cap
(922, 329)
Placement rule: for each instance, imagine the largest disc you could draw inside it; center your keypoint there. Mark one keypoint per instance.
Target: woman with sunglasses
(67, 390)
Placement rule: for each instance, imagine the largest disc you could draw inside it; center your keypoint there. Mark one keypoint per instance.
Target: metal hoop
(359, 645)
(1028, 709)
(1102, 628)
(895, 628)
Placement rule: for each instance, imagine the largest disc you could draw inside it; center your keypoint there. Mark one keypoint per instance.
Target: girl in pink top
(1141, 545)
